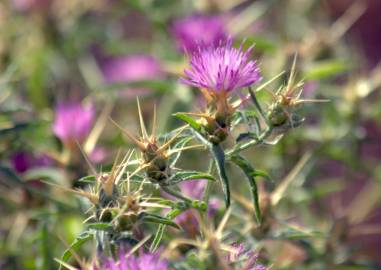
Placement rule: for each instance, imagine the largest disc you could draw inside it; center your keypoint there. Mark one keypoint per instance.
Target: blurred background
(67, 66)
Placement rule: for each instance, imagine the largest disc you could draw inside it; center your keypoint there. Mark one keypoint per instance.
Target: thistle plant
(126, 199)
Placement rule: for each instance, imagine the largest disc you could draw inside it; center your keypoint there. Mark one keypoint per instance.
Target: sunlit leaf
(189, 120)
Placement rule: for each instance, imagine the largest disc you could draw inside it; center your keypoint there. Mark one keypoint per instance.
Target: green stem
(177, 195)
(240, 147)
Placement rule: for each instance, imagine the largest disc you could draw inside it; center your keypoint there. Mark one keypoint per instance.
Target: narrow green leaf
(100, 226)
(189, 175)
(189, 120)
(250, 174)
(160, 231)
(148, 217)
(219, 156)
(77, 243)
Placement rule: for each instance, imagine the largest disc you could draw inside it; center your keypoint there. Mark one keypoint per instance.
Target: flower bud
(105, 215)
(126, 221)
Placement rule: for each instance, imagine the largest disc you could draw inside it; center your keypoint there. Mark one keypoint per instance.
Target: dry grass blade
(278, 193)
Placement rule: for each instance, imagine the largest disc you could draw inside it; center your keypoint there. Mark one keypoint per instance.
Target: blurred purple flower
(23, 161)
(73, 122)
(31, 5)
(309, 88)
(143, 261)
(130, 68)
(241, 255)
(98, 155)
(222, 69)
(199, 31)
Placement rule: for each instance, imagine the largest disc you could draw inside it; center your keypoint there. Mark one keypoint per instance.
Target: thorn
(91, 197)
(174, 151)
(108, 184)
(91, 165)
(292, 75)
(168, 143)
(311, 101)
(141, 120)
(99, 126)
(130, 136)
(125, 163)
(68, 266)
(269, 82)
(223, 222)
(138, 245)
(154, 122)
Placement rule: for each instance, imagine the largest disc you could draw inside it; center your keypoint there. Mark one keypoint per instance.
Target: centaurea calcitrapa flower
(154, 157)
(219, 72)
(141, 261)
(114, 200)
(73, 122)
(199, 31)
(281, 113)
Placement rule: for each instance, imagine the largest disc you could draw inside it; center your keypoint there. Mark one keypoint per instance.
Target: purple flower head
(143, 261)
(130, 68)
(73, 122)
(247, 258)
(198, 30)
(23, 161)
(221, 69)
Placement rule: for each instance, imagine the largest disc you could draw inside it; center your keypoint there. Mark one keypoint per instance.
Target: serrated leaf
(77, 243)
(250, 174)
(152, 218)
(190, 121)
(189, 175)
(219, 156)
